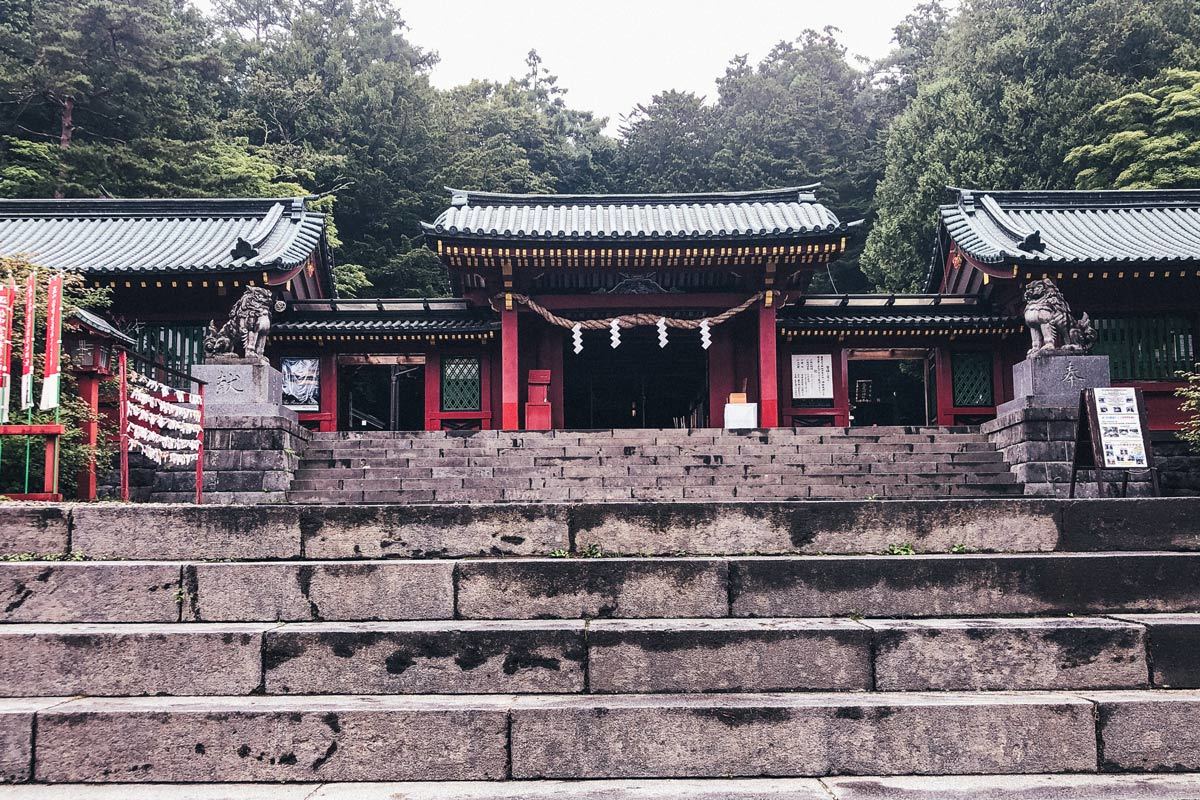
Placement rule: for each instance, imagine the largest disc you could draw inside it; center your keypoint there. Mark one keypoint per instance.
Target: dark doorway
(888, 392)
(382, 397)
(636, 385)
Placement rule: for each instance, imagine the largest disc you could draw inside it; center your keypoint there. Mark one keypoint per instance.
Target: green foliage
(901, 549)
(1004, 99)
(285, 97)
(74, 453)
(1190, 395)
(27, 169)
(1144, 139)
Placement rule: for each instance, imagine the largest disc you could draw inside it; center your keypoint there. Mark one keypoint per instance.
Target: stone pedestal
(1036, 429)
(252, 442)
(1054, 381)
(243, 387)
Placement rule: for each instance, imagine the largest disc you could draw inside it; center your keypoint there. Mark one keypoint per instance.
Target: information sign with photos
(1119, 427)
(1112, 433)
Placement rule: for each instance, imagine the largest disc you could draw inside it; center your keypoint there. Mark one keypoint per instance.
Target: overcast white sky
(613, 54)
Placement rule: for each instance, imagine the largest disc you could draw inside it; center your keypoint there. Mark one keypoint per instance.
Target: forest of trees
(130, 98)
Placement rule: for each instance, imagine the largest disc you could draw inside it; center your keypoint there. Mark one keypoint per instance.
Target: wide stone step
(473, 737)
(574, 588)
(601, 656)
(449, 492)
(109, 531)
(958, 787)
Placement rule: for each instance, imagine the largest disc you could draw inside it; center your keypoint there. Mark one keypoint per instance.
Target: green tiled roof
(1076, 227)
(759, 215)
(161, 236)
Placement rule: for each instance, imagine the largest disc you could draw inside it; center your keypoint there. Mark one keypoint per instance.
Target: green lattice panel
(1145, 348)
(179, 347)
(972, 377)
(460, 384)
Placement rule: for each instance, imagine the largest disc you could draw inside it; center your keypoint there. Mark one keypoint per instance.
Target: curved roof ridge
(802, 193)
(145, 206)
(1081, 198)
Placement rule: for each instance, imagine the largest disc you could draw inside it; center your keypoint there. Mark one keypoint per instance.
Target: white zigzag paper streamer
(662, 331)
(577, 338)
(705, 336)
(614, 332)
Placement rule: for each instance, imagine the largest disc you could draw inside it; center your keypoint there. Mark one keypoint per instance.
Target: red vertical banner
(52, 378)
(27, 343)
(8, 307)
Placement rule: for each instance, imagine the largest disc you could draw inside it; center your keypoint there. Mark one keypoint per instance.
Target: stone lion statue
(245, 333)
(1051, 325)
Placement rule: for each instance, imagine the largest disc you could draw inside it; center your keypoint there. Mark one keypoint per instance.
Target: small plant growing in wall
(902, 549)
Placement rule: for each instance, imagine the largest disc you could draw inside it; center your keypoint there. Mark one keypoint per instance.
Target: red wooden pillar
(510, 397)
(841, 378)
(945, 386)
(433, 390)
(768, 376)
(720, 374)
(328, 399)
(89, 390)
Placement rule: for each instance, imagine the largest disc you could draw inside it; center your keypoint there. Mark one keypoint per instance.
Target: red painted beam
(32, 430)
(768, 377)
(510, 404)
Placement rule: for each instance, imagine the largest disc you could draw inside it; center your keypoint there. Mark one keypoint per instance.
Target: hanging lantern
(662, 331)
(705, 336)
(577, 338)
(614, 332)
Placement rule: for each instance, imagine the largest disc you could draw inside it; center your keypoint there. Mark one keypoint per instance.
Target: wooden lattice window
(461, 384)
(971, 375)
(1145, 348)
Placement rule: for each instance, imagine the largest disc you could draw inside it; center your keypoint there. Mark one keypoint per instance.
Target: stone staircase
(1005, 648)
(653, 465)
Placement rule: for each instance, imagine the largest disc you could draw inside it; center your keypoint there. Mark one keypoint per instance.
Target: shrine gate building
(706, 296)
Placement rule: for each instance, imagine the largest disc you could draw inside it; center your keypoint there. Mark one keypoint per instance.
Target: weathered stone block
(1139, 524)
(965, 585)
(1012, 654)
(141, 740)
(641, 656)
(37, 660)
(186, 531)
(1149, 731)
(820, 527)
(16, 736)
(1012, 787)
(37, 529)
(237, 482)
(1174, 648)
(89, 592)
(433, 531)
(319, 590)
(444, 657)
(708, 789)
(797, 735)
(570, 589)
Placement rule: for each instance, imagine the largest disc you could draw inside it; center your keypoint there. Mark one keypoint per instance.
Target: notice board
(1112, 431)
(812, 377)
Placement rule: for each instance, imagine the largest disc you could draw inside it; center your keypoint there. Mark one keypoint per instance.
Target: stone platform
(1020, 648)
